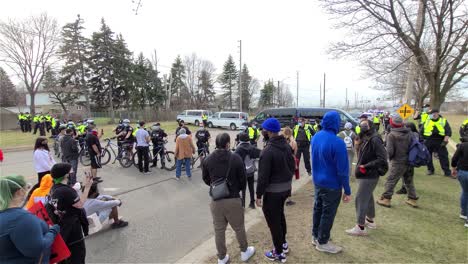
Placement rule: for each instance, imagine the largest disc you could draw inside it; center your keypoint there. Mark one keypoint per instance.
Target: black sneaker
(252, 206)
(401, 191)
(152, 166)
(271, 255)
(290, 202)
(119, 224)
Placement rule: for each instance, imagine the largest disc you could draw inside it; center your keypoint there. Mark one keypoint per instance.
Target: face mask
(265, 135)
(425, 109)
(364, 128)
(432, 116)
(254, 127)
(300, 124)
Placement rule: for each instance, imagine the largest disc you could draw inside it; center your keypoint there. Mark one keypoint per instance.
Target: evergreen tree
(246, 88)
(147, 85)
(8, 93)
(123, 66)
(266, 94)
(75, 51)
(177, 82)
(228, 80)
(206, 88)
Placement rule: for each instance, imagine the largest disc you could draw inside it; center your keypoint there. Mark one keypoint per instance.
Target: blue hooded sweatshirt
(330, 167)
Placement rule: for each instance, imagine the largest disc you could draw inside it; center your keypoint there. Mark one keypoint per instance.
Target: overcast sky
(278, 37)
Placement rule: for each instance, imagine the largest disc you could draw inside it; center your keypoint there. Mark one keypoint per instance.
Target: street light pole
(297, 89)
(240, 75)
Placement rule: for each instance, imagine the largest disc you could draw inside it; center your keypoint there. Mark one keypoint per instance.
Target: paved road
(167, 218)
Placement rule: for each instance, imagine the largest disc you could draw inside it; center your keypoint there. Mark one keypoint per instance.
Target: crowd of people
(328, 149)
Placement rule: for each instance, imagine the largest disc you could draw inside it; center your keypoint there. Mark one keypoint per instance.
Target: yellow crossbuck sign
(405, 111)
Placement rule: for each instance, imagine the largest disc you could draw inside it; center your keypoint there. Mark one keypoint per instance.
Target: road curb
(207, 249)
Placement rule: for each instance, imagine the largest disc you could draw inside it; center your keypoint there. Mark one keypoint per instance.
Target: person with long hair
(43, 160)
(24, 237)
(288, 134)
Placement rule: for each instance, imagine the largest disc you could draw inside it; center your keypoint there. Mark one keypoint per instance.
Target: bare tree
(28, 48)
(384, 28)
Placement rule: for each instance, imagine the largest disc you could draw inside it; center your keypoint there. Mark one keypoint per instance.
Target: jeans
(273, 209)
(72, 178)
(325, 207)
(463, 179)
(143, 158)
(187, 163)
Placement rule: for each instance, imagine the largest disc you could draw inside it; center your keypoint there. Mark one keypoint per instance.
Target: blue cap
(272, 125)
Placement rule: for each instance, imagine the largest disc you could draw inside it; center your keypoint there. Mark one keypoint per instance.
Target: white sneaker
(329, 248)
(314, 241)
(463, 217)
(466, 224)
(371, 225)
(224, 261)
(356, 231)
(245, 256)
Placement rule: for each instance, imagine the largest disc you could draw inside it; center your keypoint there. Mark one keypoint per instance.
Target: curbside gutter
(207, 249)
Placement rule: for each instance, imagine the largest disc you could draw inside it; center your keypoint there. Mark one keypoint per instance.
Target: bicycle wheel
(194, 160)
(105, 156)
(170, 161)
(85, 160)
(125, 161)
(135, 160)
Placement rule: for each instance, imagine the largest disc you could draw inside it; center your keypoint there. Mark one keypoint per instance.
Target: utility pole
(297, 89)
(346, 102)
(279, 99)
(320, 94)
(413, 68)
(323, 89)
(240, 75)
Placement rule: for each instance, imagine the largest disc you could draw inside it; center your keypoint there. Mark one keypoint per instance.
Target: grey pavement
(167, 218)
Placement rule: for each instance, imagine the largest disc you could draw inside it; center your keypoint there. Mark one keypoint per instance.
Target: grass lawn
(15, 138)
(432, 233)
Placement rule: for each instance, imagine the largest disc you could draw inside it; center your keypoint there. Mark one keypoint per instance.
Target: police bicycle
(169, 157)
(123, 155)
(203, 152)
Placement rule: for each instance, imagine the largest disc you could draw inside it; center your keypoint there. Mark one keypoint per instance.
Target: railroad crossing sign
(405, 111)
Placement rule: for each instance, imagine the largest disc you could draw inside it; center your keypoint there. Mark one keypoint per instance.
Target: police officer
(158, 136)
(37, 123)
(254, 133)
(28, 120)
(205, 119)
(422, 116)
(126, 136)
(436, 132)
(376, 121)
(202, 136)
(48, 122)
(21, 121)
(464, 129)
(303, 134)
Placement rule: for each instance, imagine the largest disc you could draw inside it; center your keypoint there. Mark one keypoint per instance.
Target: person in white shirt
(142, 146)
(43, 160)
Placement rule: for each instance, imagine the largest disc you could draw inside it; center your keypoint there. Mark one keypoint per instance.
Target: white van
(232, 120)
(192, 116)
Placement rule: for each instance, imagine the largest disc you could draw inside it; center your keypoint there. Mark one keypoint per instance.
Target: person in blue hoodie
(330, 170)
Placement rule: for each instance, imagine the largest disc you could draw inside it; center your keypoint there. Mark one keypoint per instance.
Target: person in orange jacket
(40, 193)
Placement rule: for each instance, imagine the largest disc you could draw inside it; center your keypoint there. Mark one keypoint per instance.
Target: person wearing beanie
(276, 169)
(248, 153)
(398, 143)
(69, 207)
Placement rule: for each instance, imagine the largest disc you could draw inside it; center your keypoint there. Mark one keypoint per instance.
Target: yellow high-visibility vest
(306, 129)
(376, 120)
(358, 129)
(252, 131)
(430, 124)
(424, 117)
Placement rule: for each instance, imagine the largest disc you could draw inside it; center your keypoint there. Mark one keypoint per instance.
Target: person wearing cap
(68, 207)
(303, 134)
(181, 125)
(158, 136)
(142, 146)
(276, 169)
(349, 137)
(248, 153)
(398, 142)
(330, 170)
(203, 136)
(183, 153)
(436, 133)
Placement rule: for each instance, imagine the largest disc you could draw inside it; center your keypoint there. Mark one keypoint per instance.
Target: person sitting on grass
(105, 206)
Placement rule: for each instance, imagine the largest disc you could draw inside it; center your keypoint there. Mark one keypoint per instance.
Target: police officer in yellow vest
(205, 119)
(464, 129)
(37, 122)
(27, 122)
(21, 121)
(436, 132)
(303, 134)
(254, 133)
(376, 121)
(422, 116)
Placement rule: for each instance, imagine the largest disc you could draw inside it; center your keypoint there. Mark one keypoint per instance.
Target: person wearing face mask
(182, 125)
(42, 158)
(303, 134)
(203, 136)
(67, 210)
(422, 116)
(436, 132)
(24, 238)
(372, 163)
(275, 172)
(254, 133)
(158, 136)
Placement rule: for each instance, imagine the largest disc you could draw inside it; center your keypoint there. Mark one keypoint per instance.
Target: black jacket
(215, 166)
(245, 148)
(276, 167)
(69, 148)
(371, 154)
(460, 158)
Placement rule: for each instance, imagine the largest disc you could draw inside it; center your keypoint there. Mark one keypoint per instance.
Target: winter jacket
(40, 193)
(398, 142)
(69, 148)
(276, 167)
(244, 149)
(330, 166)
(215, 167)
(460, 158)
(184, 147)
(372, 155)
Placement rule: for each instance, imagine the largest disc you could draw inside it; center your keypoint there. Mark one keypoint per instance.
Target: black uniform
(157, 137)
(202, 137)
(435, 143)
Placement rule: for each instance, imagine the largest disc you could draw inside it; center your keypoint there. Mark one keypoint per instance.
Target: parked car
(289, 116)
(193, 116)
(232, 120)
